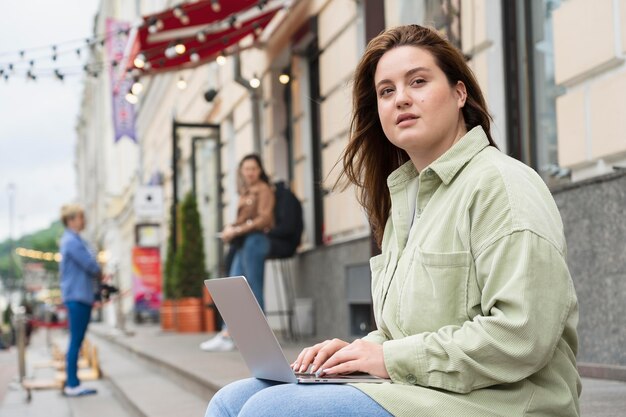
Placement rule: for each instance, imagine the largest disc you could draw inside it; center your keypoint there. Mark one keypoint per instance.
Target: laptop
(255, 339)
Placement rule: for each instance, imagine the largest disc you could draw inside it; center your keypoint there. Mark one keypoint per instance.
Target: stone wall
(594, 217)
(322, 275)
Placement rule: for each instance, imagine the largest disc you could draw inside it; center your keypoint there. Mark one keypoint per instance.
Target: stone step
(147, 389)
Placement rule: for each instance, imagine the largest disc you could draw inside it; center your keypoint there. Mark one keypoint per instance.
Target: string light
(131, 98)
(147, 59)
(170, 52)
(180, 48)
(140, 61)
(181, 83)
(284, 78)
(255, 82)
(137, 87)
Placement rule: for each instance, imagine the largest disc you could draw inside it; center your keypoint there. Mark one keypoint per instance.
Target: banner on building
(123, 111)
(147, 279)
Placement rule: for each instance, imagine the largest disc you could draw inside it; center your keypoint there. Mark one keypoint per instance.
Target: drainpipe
(255, 98)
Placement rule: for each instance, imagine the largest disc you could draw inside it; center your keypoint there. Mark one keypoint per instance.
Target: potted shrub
(189, 269)
(169, 296)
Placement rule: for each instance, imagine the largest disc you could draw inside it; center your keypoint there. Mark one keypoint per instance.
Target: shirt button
(411, 378)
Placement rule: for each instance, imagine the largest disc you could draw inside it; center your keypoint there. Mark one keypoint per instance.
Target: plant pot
(189, 315)
(209, 312)
(167, 314)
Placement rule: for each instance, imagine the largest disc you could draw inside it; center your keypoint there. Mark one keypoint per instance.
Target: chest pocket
(434, 291)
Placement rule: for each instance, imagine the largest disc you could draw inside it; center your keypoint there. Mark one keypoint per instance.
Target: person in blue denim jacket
(79, 269)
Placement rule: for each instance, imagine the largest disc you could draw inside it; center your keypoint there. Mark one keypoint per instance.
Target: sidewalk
(172, 365)
(49, 403)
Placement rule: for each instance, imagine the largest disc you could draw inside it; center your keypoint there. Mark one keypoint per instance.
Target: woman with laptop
(248, 236)
(475, 309)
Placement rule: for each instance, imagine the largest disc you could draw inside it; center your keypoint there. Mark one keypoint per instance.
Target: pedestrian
(79, 269)
(248, 236)
(475, 309)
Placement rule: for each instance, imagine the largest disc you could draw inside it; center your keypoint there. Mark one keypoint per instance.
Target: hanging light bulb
(147, 66)
(257, 29)
(180, 48)
(140, 61)
(215, 5)
(159, 24)
(255, 82)
(178, 12)
(170, 52)
(284, 78)
(201, 36)
(181, 83)
(184, 19)
(137, 87)
(194, 57)
(234, 22)
(221, 59)
(153, 29)
(131, 98)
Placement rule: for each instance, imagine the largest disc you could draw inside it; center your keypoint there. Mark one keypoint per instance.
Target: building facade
(552, 72)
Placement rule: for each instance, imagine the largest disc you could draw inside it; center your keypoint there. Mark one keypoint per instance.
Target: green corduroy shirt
(473, 300)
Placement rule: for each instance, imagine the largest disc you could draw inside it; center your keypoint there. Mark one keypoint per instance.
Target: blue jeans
(78, 317)
(249, 261)
(261, 398)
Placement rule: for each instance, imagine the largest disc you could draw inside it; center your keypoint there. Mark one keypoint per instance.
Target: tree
(189, 269)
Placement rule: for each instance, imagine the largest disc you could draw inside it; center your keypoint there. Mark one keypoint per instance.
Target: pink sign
(147, 278)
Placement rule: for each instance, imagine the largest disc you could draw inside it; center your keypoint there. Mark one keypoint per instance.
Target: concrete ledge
(600, 371)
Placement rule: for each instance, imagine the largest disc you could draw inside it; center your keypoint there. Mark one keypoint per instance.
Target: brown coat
(255, 211)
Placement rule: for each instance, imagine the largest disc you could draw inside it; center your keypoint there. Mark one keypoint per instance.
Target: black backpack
(288, 223)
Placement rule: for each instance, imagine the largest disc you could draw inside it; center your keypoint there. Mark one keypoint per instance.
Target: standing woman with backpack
(248, 234)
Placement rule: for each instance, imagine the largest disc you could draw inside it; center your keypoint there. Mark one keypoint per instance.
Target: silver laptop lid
(249, 329)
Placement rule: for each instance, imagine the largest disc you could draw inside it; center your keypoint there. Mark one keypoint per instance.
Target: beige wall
(339, 39)
(589, 44)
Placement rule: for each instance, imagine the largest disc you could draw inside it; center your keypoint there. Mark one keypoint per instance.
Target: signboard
(123, 111)
(147, 279)
(149, 201)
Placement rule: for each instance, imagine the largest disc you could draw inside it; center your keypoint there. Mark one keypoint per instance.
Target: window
(531, 93)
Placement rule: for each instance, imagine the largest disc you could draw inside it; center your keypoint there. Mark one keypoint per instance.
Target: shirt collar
(447, 165)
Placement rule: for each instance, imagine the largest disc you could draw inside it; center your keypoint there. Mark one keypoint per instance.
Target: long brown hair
(262, 176)
(370, 157)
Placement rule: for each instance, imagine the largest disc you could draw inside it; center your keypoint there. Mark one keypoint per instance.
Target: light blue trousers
(260, 398)
(250, 261)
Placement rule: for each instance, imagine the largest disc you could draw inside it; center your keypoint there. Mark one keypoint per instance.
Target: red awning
(203, 30)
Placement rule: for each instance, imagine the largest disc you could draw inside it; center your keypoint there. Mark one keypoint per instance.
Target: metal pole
(120, 320)
(11, 192)
(20, 324)
(174, 182)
